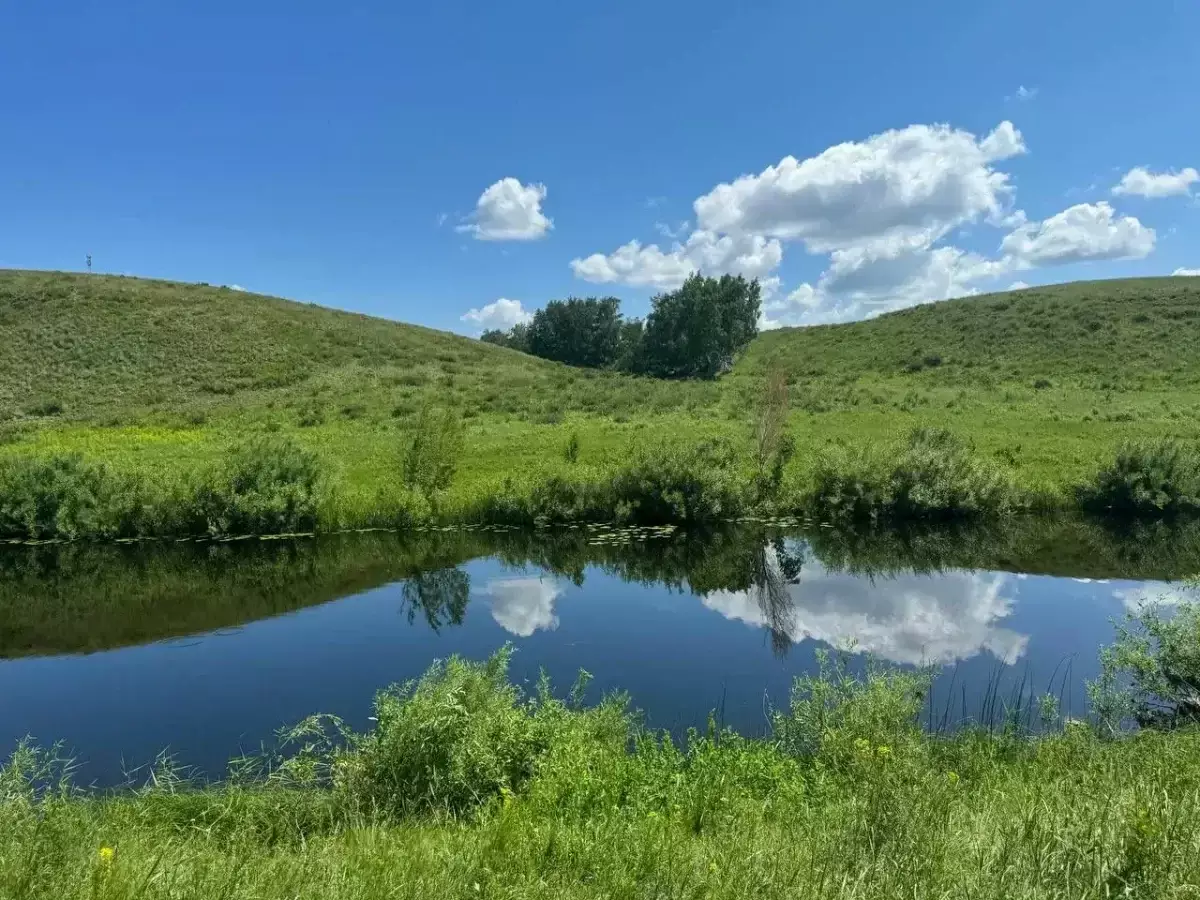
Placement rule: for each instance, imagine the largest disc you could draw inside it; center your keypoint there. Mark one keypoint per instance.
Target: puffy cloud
(509, 211)
(1141, 182)
(522, 606)
(908, 619)
(914, 184)
(1018, 286)
(1182, 271)
(704, 251)
(796, 308)
(1086, 231)
(502, 314)
(237, 287)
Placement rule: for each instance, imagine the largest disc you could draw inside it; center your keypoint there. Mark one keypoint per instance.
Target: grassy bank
(162, 382)
(466, 788)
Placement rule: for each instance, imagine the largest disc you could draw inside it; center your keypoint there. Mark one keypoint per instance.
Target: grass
(467, 787)
(163, 381)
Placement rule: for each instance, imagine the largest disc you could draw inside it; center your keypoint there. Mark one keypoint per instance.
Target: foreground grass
(467, 789)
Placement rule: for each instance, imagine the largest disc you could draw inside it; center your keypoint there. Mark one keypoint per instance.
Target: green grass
(468, 788)
(163, 380)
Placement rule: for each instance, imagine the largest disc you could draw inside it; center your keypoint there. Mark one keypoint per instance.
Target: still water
(204, 650)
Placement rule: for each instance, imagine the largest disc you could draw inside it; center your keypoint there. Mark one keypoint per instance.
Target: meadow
(162, 382)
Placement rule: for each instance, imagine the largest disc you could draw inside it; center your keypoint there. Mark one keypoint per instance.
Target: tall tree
(578, 332)
(697, 330)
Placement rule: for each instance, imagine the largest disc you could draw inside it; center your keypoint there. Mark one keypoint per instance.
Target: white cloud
(1152, 593)
(672, 234)
(522, 606)
(1141, 182)
(1182, 271)
(1086, 231)
(1024, 93)
(509, 211)
(237, 287)
(704, 251)
(1018, 286)
(914, 184)
(502, 314)
(908, 619)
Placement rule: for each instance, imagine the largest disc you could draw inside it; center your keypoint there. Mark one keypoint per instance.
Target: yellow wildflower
(106, 856)
(862, 746)
(883, 752)
(952, 777)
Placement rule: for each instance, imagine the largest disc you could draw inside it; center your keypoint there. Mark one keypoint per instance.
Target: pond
(203, 650)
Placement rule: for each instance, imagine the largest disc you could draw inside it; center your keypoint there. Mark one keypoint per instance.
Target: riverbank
(467, 788)
(277, 484)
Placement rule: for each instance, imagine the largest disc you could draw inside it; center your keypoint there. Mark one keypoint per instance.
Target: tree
(629, 353)
(516, 338)
(578, 332)
(697, 330)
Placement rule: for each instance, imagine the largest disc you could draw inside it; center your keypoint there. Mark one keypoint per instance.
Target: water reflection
(211, 647)
(522, 606)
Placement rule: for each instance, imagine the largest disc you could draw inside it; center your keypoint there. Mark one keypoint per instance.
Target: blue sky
(420, 162)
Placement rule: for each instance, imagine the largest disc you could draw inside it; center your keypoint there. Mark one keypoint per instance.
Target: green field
(162, 378)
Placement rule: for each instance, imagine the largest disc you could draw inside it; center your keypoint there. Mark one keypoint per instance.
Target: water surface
(204, 650)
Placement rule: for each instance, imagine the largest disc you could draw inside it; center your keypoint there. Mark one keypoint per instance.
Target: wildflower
(952, 777)
(862, 746)
(106, 856)
(883, 752)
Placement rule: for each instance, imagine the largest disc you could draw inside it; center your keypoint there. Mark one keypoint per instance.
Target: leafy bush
(933, 475)
(433, 453)
(699, 484)
(1151, 674)
(571, 450)
(1158, 479)
(460, 735)
(65, 496)
(266, 486)
(696, 331)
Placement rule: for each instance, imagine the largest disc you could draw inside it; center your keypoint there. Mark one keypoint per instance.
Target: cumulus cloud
(1141, 182)
(502, 314)
(509, 211)
(914, 184)
(1018, 286)
(237, 287)
(522, 606)
(909, 619)
(1191, 272)
(1086, 231)
(706, 252)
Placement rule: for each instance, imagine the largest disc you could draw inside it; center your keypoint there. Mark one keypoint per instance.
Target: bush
(448, 742)
(267, 486)
(433, 453)
(1158, 479)
(571, 450)
(932, 476)
(1152, 672)
(699, 484)
(48, 407)
(67, 497)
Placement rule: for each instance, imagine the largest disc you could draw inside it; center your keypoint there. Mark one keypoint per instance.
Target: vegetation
(578, 332)
(696, 331)
(1161, 478)
(933, 475)
(468, 787)
(155, 384)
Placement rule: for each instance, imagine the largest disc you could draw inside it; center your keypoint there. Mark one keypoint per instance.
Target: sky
(460, 164)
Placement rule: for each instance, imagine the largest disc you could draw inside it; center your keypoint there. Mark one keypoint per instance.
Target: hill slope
(1125, 333)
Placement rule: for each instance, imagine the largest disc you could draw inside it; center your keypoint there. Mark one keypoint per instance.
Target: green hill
(159, 374)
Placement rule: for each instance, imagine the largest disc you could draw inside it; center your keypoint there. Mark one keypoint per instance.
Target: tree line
(692, 332)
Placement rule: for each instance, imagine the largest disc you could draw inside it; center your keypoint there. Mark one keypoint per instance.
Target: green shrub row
(272, 485)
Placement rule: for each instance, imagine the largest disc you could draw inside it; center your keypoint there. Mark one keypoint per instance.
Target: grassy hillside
(162, 377)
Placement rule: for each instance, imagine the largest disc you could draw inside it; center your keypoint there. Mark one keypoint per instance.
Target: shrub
(266, 486)
(571, 450)
(699, 484)
(433, 453)
(448, 742)
(1152, 672)
(1157, 479)
(65, 496)
(933, 475)
(1042, 384)
(47, 407)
